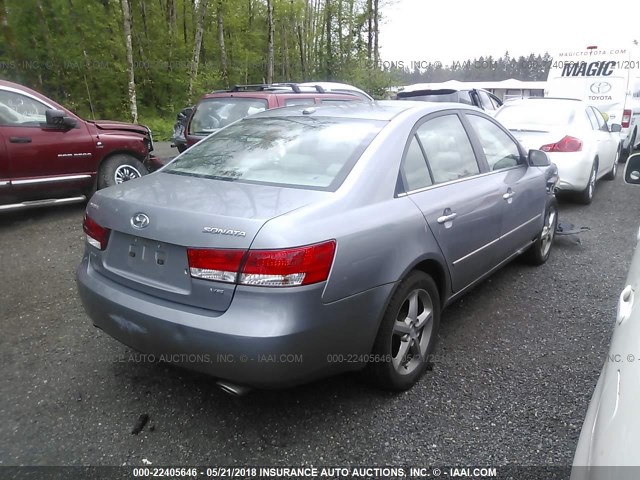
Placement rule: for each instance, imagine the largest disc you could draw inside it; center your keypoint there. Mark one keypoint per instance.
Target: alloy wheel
(412, 331)
(592, 182)
(548, 232)
(125, 172)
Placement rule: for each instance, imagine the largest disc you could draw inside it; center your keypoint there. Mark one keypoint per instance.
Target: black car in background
(178, 139)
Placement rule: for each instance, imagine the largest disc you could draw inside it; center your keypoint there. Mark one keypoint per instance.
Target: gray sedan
(303, 242)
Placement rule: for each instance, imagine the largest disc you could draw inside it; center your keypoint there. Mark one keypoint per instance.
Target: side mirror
(632, 170)
(615, 128)
(538, 158)
(57, 119)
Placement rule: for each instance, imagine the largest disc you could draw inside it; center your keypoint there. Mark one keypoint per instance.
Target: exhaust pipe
(232, 388)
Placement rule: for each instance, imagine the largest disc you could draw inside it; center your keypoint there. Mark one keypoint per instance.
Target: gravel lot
(515, 367)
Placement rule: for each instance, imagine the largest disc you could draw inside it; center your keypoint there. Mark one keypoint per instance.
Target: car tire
(120, 168)
(539, 252)
(629, 150)
(394, 364)
(614, 169)
(586, 196)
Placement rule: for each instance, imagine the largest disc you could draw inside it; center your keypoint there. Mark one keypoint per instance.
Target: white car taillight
(566, 144)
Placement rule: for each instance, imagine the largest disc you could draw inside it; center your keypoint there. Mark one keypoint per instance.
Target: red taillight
(217, 265)
(626, 118)
(567, 144)
(97, 235)
(267, 268)
(289, 267)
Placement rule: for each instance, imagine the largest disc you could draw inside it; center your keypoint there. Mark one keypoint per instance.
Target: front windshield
(303, 152)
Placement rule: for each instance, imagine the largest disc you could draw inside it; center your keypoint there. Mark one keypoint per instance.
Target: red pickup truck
(50, 156)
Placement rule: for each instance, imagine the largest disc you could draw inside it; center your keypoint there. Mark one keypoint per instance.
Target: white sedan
(574, 134)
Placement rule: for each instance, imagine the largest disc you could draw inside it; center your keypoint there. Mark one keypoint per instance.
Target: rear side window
(464, 96)
(499, 149)
(214, 113)
(304, 152)
(485, 100)
(593, 119)
(414, 168)
(448, 149)
(602, 124)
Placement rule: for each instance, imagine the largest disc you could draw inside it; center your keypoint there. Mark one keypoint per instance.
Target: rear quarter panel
(379, 236)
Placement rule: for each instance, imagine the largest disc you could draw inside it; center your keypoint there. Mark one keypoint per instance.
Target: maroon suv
(48, 155)
(219, 109)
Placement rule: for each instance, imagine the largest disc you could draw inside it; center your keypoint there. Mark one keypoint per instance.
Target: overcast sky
(425, 30)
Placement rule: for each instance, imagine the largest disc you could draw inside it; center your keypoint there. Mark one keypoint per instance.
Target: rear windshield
(536, 113)
(304, 152)
(214, 113)
(436, 96)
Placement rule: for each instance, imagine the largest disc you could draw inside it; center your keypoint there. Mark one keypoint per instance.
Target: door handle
(508, 195)
(447, 218)
(20, 139)
(625, 304)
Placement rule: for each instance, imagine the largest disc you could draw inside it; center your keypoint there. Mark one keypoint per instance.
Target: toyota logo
(140, 220)
(600, 87)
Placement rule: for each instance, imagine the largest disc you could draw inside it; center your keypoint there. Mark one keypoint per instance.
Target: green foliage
(75, 52)
(161, 127)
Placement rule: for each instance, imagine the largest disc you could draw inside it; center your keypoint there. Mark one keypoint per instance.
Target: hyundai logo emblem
(140, 220)
(600, 87)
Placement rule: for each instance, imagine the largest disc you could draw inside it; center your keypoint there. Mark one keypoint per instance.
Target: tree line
(482, 69)
(132, 58)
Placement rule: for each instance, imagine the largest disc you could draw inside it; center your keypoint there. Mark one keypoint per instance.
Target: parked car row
(222, 107)
(576, 135)
(49, 155)
(360, 221)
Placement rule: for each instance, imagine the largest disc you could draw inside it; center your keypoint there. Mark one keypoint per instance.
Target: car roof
(336, 86)
(378, 110)
(271, 93)
(528, 101)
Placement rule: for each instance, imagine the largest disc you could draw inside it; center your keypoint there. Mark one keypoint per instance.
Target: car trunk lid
(183, 212)
(535, 136)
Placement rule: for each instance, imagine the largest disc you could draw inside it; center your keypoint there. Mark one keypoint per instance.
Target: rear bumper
(267, 338)
(573, 170)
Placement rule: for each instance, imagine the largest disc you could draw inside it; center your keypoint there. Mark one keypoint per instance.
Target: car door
(43, 160)
(522, 189)
(607, 143)
(5, 178)
(443, 178)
